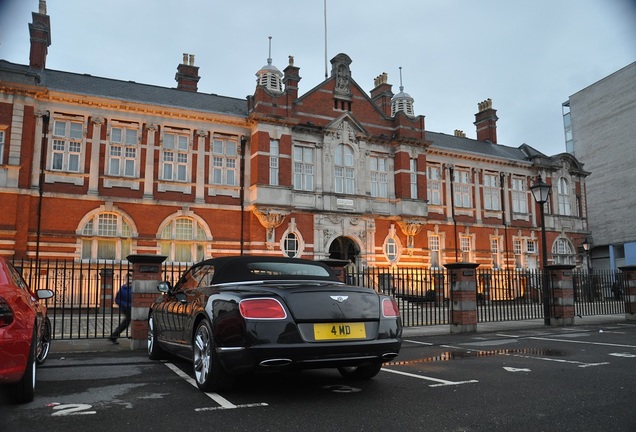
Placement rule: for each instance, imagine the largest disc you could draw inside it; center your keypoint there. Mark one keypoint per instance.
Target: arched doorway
(343, 248)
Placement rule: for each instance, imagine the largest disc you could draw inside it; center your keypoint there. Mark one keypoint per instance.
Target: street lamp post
(586, 247)
(541, 193)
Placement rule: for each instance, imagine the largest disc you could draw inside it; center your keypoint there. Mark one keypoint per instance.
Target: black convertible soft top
(256, 268)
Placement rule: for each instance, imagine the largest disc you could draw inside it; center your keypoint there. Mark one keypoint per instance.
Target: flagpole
(325, 12)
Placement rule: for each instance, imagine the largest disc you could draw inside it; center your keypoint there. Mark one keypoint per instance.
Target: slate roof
(129, 91)
(467, 145)
(171, 97)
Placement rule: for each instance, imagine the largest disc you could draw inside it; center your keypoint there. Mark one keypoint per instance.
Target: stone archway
(344, 248)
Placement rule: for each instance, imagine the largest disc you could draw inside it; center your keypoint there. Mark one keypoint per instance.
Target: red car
(25, 334)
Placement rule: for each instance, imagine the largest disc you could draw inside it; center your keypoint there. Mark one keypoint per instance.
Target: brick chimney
(187, 75)
(382, 94)
(40, 32)
(486, 122)
(291, 79)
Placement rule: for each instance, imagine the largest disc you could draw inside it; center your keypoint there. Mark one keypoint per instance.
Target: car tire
(362, 372)
(155, 352)
(44, 344)
(209, 373)
(24, 390)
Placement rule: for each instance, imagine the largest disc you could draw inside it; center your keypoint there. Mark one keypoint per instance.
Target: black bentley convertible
(234, 315)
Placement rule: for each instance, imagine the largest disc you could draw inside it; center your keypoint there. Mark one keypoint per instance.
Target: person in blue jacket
(124, 300)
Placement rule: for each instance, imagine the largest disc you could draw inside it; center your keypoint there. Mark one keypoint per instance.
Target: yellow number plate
(335, 331)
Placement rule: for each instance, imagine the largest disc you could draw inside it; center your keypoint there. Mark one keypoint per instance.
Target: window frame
(224, 164)
(413, 177)
(379, 176)
(304, 168)
(3, 135)
(129, 152)
(519, 196)
(463, 188)
(106, 230)
(179, 153)
(391, 249)
(491, 192)
(274, 162)
(344, 170)
(563, 197)
(434, 184)
(175, 245)
(66, 148)
(435, 248)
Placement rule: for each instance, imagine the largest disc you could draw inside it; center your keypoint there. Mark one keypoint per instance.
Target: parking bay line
(440, 382)
(583, 342)
(580, 364)
(224, 403)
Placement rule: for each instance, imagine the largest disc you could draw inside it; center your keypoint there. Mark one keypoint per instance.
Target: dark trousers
(123, 325)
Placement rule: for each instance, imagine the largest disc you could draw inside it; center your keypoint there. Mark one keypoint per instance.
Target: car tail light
(390, 308)
(6, 313)
(262, 308)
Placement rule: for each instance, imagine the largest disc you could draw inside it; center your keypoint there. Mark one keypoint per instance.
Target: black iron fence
(423, 295)
(83, 305)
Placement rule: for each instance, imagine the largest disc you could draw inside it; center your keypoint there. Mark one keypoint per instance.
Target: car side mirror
(164, 287)
(44, 294)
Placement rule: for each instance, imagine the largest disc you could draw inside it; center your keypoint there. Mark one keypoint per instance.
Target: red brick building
(93, 168)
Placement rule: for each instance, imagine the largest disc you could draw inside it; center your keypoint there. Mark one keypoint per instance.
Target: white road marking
(417, 342)
(437, 380)
(626, 355)
(580, 364)
(511, 369)
(224, 403)
(583, 342)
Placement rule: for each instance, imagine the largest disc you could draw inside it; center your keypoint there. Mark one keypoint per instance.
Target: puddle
(459, 355)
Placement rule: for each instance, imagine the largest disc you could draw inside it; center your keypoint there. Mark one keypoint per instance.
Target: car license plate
(335, 331)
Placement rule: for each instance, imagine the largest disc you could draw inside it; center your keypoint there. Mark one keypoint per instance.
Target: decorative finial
(401, 86)
(269, 59)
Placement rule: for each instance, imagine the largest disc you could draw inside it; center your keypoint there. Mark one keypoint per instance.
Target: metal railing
(82, 307)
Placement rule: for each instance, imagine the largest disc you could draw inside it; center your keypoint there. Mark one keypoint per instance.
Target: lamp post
(541, 193)
(586, 247)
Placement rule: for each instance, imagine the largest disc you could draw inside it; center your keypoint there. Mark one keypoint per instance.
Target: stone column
(629, 291)
(146, 275)
(562, 283)
(463, 283)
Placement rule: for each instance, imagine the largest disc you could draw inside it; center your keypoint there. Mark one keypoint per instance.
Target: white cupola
(402, 101)
(269, 76)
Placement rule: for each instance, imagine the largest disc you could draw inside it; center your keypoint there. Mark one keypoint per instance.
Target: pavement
(60, 346)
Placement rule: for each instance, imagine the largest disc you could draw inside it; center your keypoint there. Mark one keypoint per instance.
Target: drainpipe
(451, 172)
(45, 128)
(242, 190)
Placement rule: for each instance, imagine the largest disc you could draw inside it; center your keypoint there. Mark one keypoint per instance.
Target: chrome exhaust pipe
(276, 362)
(389, 356)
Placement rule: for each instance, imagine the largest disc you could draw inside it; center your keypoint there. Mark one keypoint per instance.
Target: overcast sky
(527, 56)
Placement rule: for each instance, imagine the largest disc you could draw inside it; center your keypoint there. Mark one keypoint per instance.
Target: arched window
(183, 239)
(562, 252)
(106, 236)
(344, 171)
(564, 197)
